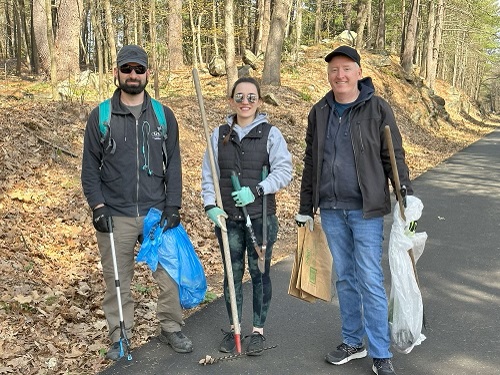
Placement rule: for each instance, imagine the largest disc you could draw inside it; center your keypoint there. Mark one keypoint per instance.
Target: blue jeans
(356, 247)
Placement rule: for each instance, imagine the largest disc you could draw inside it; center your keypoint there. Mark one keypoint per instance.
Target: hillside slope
(50, 278)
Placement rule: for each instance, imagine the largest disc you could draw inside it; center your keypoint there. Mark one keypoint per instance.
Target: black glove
(100, 217)
(171, 215)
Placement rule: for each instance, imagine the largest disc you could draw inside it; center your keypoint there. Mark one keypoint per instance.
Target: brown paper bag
(294, 277)
(315, 274)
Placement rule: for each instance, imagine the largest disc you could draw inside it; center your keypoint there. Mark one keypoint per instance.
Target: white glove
(302, 220)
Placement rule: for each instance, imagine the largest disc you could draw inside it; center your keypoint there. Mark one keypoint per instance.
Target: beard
(132, 89)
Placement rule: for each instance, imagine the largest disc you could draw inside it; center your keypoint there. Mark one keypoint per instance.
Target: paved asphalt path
(459, 273)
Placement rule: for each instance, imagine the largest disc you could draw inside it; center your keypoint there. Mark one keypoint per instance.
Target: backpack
(105, 116)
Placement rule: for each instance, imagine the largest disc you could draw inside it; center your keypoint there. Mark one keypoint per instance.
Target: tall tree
(154, 58)
(231, 70)
(175, 34)
(380, 37)
(317, 22)
(410, 40)
(110, 29)
(271, 75)
(65, 36)
(361, 22)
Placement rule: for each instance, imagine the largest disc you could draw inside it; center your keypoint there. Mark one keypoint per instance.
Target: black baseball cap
(344, 51)
(132, 54)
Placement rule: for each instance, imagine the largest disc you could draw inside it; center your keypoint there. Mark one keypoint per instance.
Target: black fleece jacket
(137, 175)
(367, 119)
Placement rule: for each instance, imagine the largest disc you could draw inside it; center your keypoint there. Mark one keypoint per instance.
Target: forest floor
(51, 286)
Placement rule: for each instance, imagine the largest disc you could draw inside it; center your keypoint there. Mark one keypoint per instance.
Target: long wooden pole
(225, 239)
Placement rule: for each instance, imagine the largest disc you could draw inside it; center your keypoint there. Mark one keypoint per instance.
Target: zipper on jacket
(138, 162)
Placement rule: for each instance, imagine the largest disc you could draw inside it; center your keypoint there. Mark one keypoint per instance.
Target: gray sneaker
(177, 340)
(383, 366)
(256, 344)
(114, 352)
(227, 345)
(344, 353)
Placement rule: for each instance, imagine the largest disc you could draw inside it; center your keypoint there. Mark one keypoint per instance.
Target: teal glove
(243, 197)
(215, 214)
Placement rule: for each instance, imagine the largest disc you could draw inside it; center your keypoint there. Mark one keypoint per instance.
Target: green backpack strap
(160, 116)
(104, 117)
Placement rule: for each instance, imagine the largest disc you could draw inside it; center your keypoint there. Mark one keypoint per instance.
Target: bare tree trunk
(411, 39)
(40, 33)
(52, 54)
(272, 62)
(429, 40)
(361, 22)
(347, 15)
(244, 39)
(380, 38)
(214, 28)
(370, 32)
(154, 58)
(266, 25)
(35, 61)
(140, 24)
(433, 61)
(26, 42)
(298, 31)
(198, 38)
(175, 34)
(317, 22)
(8, 31)
(260, 27)
(110, 30)
(193, 34)
(17, 37)
(99, 42)
(231, 70)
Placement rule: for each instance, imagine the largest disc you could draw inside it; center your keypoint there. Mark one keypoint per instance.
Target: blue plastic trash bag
(176, 254)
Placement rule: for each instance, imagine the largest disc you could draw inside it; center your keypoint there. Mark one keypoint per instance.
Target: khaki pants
(126, 230)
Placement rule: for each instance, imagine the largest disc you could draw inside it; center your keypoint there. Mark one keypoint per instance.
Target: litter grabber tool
(225, 238)
(401, 195)
(124, 342)
(264, 214)
(208, 360)
(261, 263)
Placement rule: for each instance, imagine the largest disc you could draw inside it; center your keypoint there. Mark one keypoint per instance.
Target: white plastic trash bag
(405, 302)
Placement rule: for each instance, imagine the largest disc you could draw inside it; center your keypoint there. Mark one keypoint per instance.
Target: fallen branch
(62, 149)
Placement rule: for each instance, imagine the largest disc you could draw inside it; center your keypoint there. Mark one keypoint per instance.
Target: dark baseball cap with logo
(132, 54)
(344, 51)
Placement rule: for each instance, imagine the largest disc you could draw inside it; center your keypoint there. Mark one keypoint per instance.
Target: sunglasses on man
(127, 69)
(238, 98)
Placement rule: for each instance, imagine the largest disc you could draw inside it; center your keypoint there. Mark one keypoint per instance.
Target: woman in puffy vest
(244, 149)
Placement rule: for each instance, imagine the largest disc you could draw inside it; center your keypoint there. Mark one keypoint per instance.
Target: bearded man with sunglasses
(133, 167)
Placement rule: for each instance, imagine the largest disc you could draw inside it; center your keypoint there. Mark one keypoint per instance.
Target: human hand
(171, 216)
(411, 228)
(100, 217)
(215, 213)
(243, 196)
(302, 220)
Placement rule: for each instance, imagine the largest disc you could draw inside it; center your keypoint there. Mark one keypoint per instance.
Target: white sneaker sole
(357, 355)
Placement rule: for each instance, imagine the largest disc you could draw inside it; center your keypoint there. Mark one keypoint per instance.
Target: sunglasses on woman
(127, 69)
(238, 98)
